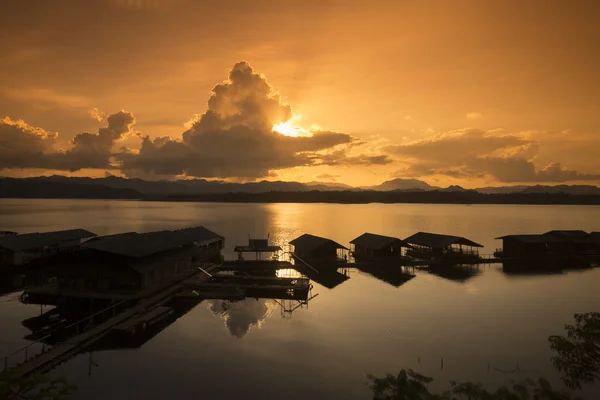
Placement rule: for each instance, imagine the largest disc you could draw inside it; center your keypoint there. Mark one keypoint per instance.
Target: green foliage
(38, 387)
(578, 354)
(409, 385)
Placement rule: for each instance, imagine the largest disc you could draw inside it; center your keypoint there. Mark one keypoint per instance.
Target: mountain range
(114, 186)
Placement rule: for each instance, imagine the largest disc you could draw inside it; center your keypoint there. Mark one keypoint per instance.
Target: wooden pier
(60, 353)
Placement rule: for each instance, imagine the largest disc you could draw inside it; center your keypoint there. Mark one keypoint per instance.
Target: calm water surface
(481, 324)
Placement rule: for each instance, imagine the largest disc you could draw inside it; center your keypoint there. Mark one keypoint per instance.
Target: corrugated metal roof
(568, 234)
(311, 242)
(250, 249)
(144, 244)
(534, 238)
(27, 241)
(374, 241)
(169, 257)
(437, 241)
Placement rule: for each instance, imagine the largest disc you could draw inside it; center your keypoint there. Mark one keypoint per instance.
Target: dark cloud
(340, 157)
(476, 154)
(512, 169)
(235, 136)
(24, 146)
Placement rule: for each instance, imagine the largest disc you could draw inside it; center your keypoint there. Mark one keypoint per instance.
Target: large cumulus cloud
(21, 145)
(473, 153)
(234, 137)
(25, 146)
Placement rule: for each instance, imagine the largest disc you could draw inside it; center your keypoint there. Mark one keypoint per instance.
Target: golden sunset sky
(474, 93)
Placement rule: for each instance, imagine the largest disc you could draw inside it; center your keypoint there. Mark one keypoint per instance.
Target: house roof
(257, 245)
(249, 249)
(545, 238)
(576, 236)
(374, 241)
(569, 234)
(168, 257)
(144, 244)
(27, 241)
(437, 241)
(311, 242)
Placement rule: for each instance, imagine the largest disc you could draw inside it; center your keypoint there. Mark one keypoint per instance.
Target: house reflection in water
(392, 275)
(454, 272)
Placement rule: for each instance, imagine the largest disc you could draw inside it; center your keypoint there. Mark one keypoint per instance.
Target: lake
(489, 326)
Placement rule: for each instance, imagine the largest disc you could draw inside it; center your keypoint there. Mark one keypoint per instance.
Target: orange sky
(450, 92)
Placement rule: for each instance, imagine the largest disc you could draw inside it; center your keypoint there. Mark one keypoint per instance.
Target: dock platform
(63, 351)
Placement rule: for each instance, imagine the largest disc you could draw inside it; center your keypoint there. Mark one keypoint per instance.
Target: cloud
(97, 115)
(46, 96)
(24, 146)
(234, 137)
(473, 153)
(474, 115)
(94, 150)
(511, 169)
(340, 157)
(21, 144)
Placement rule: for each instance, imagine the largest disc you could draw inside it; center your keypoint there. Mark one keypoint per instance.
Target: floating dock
(140, 312)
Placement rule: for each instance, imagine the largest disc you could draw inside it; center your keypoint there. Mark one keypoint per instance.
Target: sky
(472, 93)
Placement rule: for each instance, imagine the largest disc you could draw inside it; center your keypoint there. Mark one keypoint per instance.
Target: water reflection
(519, 268)
(392, 275)
(242, 315)
(456, 273)
(328, 278)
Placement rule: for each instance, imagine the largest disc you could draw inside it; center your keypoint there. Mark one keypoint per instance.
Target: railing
(27, 351)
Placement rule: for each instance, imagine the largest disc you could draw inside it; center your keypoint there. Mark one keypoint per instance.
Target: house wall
(515, 248)
(98, 278)
(325, 252)
(388, 251)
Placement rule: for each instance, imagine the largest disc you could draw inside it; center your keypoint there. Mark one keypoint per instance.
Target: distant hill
(190, 186)
(116, 187)
(571, 189)
(37, 188)
(402, 184)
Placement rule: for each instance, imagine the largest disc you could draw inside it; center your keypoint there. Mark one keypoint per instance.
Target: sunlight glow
(288, 128)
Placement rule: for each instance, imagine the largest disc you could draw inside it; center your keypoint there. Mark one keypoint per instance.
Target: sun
(288, 129)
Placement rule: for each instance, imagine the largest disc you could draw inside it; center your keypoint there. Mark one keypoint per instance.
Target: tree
(409, 385)
(38, 387)
(578, 355)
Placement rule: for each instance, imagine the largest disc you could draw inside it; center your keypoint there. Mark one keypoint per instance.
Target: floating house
(579, 242)
(596, 239)
(20, 249)
(433, 246)
(553, 243)
(258, 247)
(370, 246)
(530, 245)
(132, 265)
(317, 248)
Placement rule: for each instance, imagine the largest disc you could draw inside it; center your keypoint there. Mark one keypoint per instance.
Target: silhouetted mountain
(40, 188)
(189, 186)
(455, 188)
(571, 189)
(115, 187)
(402, 184)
